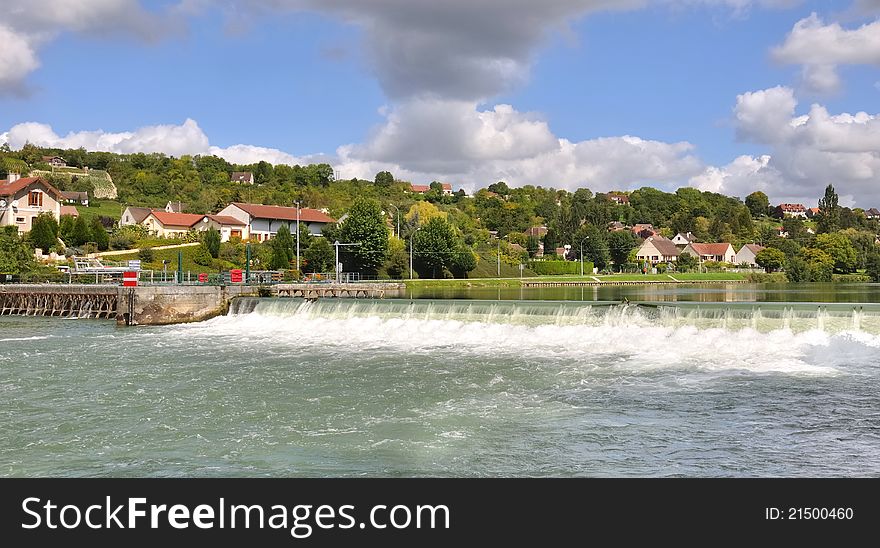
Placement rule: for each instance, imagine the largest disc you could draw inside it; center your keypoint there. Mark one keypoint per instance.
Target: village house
(421, 189)
(23, 199)
(747, 254)
(536, 232)
(134, 215)
(657, 249)
(72, 197)
(176, 207)
(644, 230)
(721, 253)
(616, 226)
(872, 214)
(791, 210)
(55, 161)
(166, 225)
(812, 212)
(242, 177)
(683, 239)
(618, 198)
(263, 221)
(69, 210)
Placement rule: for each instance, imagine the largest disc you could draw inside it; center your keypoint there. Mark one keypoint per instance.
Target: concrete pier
(76, 301)
(370, 290)
(163, 304)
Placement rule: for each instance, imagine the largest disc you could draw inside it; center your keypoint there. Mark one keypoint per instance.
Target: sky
(729, 96)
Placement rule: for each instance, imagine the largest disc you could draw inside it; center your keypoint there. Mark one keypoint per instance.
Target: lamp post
(297, 234)
(584, 239)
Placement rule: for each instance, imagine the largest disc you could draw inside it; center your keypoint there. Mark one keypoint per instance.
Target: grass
(105, 208)
(517, 282)
(189, 264)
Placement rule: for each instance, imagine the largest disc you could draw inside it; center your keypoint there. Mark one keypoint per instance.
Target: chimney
(12, 177)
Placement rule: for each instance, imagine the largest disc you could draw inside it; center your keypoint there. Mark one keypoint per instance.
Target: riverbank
(711, 277)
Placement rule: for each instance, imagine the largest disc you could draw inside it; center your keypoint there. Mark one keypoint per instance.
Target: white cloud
(808, 152)
(820, 48)
(17, 57)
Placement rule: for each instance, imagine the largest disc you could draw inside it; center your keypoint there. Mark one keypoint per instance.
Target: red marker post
(130, 278)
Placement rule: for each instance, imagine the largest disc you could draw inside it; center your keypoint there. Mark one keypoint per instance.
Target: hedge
(556, 268)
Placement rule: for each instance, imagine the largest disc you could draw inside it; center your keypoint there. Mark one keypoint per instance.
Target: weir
(76, 301)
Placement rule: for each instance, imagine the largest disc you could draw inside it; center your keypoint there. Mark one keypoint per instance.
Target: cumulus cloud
(821, 48)
(808, 152)
(27, 25)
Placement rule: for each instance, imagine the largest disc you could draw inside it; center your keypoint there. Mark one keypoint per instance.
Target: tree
(398, 261)
(686, 262)
(840, 249)
(81, 232)
(203, 255)
(820, 263)
(499, 188)
(99, 234)
(365, 226)
(66, 227)
(797, 269)
(146, 255)
(829, 211)
(319, 256)
(872, 266)
(620, 243)
(422, 212)
(463, 261)
(384, 178)
(758, 204)
(15, 257)
(434, 245)
(282, 249)
(212, 242)
(770, 259)
(44, 232)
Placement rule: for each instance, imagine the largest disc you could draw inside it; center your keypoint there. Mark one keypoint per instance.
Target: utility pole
(297, 235)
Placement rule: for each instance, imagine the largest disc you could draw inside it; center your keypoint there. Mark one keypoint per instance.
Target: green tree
(758, 204)
(282, 249)
(829, 211)
(434, 245)
(365, 226)
(81, 232)
(15, 256)
(44, 232)
(797, 269)
(146, 255)
(770, 259)
(397, 263)
(463, 261)
(686, 262)
(203, 255)
(212, 242)
(66, 227)
(99, 234)
(820, 263)
(840, 249)
(319, 256)
(872, 266)
(384, 179)
(499, 188)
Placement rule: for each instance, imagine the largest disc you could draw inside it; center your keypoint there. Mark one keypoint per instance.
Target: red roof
(284, 213)
(9, 189)
(792, 207)
(426, 188)
(226, 220)
(710, 249)
(69, 210)
(177, 219)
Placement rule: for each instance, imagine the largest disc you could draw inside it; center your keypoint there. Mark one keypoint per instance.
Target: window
(35, 198)
(19, 220)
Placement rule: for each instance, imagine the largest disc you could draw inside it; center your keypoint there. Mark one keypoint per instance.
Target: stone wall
(162, 305)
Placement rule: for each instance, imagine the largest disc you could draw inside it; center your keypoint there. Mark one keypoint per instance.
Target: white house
(134, 215)
(792, 210)
(747, 254)
(683, 239)
(242, 177)
(166, 224)
(175, 207)
(722, 253)
(421, 189)
(23, 199)
(263, 221)
(657, 249)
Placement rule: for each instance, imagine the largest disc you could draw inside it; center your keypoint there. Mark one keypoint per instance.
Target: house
(644, 230)
(23, 198)
(616, 226)
(872, 214)
(175, 207)
(166, 224)
(683, 239)
(229, 227)
(262, 221)
(536, 232)
(134, 215)
(657, 249)
(242, 177)
(69, 210)
(618, 198)
(747, 254)
(71, 197)
(812, 212)
(721, 253)
(55, 161)
(791, 210)
(421, 189)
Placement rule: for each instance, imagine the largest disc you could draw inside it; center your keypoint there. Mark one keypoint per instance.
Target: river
(466, 387)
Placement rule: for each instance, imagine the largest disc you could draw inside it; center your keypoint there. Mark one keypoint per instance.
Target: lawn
(104, 208)
(188, 253)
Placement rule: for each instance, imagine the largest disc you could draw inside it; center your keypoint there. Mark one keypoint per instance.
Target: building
(421, 189)
(720, 253)
(72, 197)
(791, 210)
(644, 230)
(872, 214)
(616, 226)
(683, 239)
(134, 215)
(242, 177)
(22, 199)
(657, 249)
(55, 161)
(263, 221)
(175, 207)
(618, 198)
(747, 254)
(229, 227)
(69, 210)
(812, 212)
(166, 225)
(536, 232)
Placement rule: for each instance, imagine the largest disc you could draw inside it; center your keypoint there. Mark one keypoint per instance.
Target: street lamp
(585, 238)
(297, 234)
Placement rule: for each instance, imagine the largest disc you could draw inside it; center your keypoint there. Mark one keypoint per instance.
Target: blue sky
(413, 87)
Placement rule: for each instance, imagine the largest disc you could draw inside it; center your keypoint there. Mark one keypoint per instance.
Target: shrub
(557, 268)
(146, 255)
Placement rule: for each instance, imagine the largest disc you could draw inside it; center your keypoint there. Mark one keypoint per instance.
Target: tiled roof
(710, 249)
(69, 210)
(226, 220)
(284, 213)
(177, 219)
(664, 246)
(9, 189)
